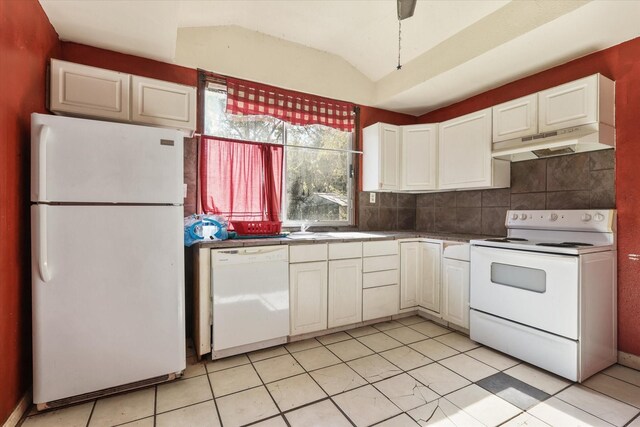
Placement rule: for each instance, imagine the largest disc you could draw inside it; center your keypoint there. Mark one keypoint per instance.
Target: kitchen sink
(307, 235)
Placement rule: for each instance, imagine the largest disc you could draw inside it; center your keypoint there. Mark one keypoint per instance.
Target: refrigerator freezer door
(109, 309)
(88, 161)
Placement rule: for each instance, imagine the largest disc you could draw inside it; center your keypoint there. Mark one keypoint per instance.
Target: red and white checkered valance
(248, 98)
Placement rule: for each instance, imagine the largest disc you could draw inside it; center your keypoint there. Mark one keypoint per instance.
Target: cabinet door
(89, 91)
(455, 291)
(381, 155)
(419, 162)
(409, 274)
(429, 288)
(465, 151)
(345, 292)
(161, 103)
(389, 157)
(515, 119)
(308, 293)
(570, 104)
(379, 302)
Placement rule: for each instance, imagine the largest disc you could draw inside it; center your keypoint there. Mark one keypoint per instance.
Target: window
(318, 171)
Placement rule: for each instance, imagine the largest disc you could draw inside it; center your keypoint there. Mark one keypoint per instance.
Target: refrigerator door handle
(43, 262)
(43, 135)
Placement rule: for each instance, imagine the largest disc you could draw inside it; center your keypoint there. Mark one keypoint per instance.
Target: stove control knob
(553, 217)
(523, 216)
(514, 216)
(586, 217)
(598, 217)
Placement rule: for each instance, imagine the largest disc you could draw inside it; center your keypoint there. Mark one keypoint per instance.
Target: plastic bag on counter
(199, 228)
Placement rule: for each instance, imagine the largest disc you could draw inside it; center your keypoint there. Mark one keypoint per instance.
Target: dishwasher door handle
(248, 251)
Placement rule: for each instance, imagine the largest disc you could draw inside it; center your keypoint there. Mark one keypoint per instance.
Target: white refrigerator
(107, 256)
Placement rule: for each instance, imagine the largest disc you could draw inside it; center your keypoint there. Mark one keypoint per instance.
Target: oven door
(535, 289)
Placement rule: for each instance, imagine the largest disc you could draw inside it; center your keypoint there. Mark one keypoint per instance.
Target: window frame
(211, 82)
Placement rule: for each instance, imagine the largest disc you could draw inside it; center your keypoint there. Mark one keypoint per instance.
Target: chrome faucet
(305, 226)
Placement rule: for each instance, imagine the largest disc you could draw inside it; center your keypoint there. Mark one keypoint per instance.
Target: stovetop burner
(578, 243)
(506, 239)
(565, 244)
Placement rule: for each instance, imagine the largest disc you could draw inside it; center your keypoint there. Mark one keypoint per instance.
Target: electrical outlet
(372, 198)
(184, 190)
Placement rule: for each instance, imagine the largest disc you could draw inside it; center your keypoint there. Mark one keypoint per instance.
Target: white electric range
(546, 293)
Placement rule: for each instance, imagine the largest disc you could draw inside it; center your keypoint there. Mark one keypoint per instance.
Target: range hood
(590, 137)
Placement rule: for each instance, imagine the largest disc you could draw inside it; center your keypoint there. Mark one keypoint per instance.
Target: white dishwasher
(250, 288)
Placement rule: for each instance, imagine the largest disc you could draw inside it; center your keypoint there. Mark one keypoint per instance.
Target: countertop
(338, 237)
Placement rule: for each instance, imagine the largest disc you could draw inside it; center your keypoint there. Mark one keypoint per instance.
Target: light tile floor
(406, 372)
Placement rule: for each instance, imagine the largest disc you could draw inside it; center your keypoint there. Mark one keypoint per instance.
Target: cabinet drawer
(380, 278)
(308, 253)
(345, 250)
(453, 250)
(380, 302)
(385, 247)
(380, 263)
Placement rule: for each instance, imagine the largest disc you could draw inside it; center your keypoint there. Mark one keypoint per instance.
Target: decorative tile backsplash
(578, 181)
(391, 211)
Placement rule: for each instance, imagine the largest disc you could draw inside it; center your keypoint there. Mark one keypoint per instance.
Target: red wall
(27, 40)
(622, 64)
(96, 57)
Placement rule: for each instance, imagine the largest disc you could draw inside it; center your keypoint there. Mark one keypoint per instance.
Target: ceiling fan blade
(406, 8)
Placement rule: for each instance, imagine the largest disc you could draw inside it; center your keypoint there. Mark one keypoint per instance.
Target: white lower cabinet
(379, 302)
(381, 291)
(455, 292)
(308, 297)
(420, 275)
(429, 287)
(409, 274)
(345, 292)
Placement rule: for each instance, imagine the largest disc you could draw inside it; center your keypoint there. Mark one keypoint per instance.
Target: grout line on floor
(215, 404)
(616, 378)
(330, 398)
(93, 407)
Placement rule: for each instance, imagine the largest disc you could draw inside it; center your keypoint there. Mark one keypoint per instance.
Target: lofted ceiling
(348, 49)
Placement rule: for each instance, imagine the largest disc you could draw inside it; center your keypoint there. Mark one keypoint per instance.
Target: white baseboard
(19, 411)
(629, 360)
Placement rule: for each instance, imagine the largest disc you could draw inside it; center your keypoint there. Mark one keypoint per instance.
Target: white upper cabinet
(104, 94)
(400, 158)
(381, 146)
(161, 103)
(418, 158)
(584, 101)
(89, 91)
(465, 154)
(515, 119)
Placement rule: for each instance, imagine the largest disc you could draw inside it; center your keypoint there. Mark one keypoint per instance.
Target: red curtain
(241, 181)
(297, 108)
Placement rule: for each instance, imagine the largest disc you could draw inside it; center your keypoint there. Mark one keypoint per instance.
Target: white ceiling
(450, 49)
(365, 33)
